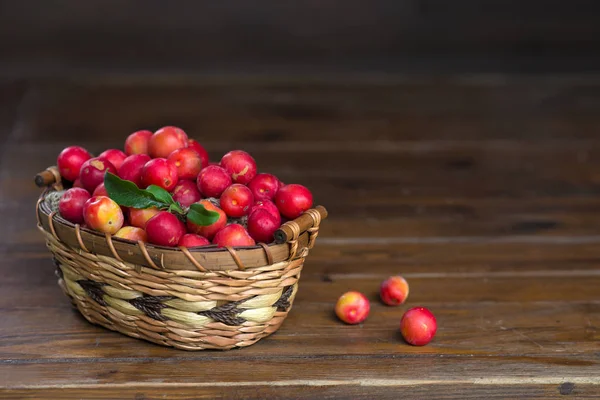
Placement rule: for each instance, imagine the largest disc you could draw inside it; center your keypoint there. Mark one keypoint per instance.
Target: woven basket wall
(206, 298)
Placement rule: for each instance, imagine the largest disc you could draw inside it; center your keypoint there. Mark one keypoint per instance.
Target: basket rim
(205, 259)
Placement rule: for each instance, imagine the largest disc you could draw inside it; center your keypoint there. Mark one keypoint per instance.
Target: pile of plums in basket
(250, 205)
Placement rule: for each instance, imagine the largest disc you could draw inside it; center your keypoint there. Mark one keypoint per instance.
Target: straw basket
(191, 299)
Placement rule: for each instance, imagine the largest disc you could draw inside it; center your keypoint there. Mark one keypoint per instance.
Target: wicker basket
(205, 298)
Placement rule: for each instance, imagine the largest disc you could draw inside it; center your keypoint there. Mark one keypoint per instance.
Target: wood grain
(12, 94)
(298, 390)
(492, 198)
(478, 174)
(555, 330)
(234, 37)
(549, 313)
(482, 194)
(495, 258)
(479, 287)
(272, 114)
(495, 374)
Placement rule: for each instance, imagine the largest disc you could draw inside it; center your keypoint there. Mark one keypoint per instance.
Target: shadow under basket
(191, 299)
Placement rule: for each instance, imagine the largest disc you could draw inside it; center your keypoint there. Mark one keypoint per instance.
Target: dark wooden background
(66, 37)
(454, 142)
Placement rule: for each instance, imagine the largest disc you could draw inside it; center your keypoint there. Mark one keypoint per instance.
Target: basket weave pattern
(186, 308)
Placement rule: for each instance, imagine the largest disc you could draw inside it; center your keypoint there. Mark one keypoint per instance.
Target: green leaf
(160, 194)
(201, 216)
(176, 208)
(126, 193)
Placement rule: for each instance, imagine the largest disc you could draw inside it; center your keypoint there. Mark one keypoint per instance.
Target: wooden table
(483, 192)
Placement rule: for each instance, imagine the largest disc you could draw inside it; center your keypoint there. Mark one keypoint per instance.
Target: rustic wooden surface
(483, 192)
(73, 37)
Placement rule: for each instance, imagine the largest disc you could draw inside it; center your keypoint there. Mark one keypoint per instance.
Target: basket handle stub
(50, 176)
(289, 231)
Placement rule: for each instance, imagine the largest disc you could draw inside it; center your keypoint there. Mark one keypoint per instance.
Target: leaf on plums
(176, 208)
(126, 193)
(164, 196)
(199, 215)
(160, 194)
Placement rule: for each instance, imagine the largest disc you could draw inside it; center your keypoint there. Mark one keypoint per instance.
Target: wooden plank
(426, 258)
(460, 164)
(335, 390)
(401, 188)
(387, 176)
(407, 220)
(301, 113)
(561, 325)
(487, 222)
(13, 107)
(581, 286)
(11, 104)
(325, 273)
(434, 283)
(389, 372)
(498, 238)
(435, 224)
(491, 199)
(380, 35)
